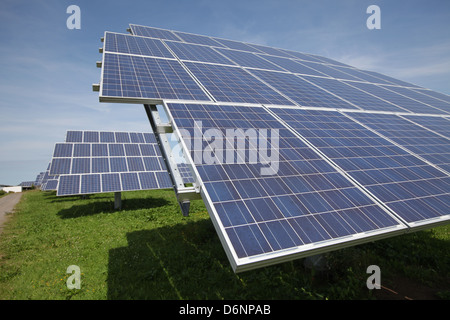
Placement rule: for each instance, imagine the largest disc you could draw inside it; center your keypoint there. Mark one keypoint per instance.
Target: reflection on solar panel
(95, 162)
(362, 156)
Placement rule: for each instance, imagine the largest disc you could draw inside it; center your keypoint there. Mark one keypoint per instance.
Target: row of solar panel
(103, 164)
(308, 199)
(105, 149)
(223, 43)
(199, 53)
(109, 137)
(127, 77)
(112, 182)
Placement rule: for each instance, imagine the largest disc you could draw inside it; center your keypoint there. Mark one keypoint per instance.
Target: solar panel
(307, 201)
(122, 43)
(301, 91)
(361, 155)
(146, 79)
(417, 139)
(111, 165)
(353, 95)
(395, 98)
(153, 32)
(192, 52)
(413, 189)
(234, 84)
(248, 59)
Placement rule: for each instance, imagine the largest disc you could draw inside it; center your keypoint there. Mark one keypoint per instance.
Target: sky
(47, 70)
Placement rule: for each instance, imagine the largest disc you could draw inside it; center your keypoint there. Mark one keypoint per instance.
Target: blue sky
(47, 70)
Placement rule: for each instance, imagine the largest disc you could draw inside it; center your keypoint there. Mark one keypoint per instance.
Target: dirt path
(7, 204)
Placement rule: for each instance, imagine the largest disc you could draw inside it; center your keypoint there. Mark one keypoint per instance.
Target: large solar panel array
(100, 161)
(361, 155)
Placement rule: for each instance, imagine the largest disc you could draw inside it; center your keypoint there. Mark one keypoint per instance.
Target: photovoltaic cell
(153, 32)
(233, 84)
(436, 124)
(198, 39)
(418, 140)
(395, 98)
(122, 43)
(301, 91)
(109, 165)
(353, 95)
(248, 59)
(186, 51)
(305, 201)
(136, 77)
(410, 187)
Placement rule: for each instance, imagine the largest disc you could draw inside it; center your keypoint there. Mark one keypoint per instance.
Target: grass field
(149, 250)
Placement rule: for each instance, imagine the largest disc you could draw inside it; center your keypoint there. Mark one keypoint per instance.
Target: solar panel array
(100, 161)
(361, 155)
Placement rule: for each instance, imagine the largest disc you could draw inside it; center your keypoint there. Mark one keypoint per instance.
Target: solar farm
(332, 156)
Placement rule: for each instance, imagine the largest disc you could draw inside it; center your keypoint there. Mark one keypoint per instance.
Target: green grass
(149, 250)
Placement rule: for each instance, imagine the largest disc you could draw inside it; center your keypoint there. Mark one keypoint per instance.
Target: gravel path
(7, 204)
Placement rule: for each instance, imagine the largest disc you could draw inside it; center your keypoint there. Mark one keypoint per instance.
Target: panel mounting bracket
(184, 194)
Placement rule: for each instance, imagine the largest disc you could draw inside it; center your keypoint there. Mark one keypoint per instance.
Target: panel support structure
(184, 194)
(117, 200)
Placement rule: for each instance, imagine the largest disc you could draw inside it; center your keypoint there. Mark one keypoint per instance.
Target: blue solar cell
(292, 66)
(353, 95)
(90, 183)
(263, 214)
(60, 166)
(106, 137)
(409, 105)
(148, 180)
(147, 78)
(420, 141)
(135, 164)
(81, 165)
(237, 45)
(81, 150)
(436, 124)
(118, 164)
(91, 136)
(149, 138)
(153, 32)
(116, 150)
(63, 150)
(147, 149)
(132, 150)
(198, 39)
(248, 59)
(301, 91)
(392, 174)
(164, 181)
(130, 181)
(111, 182)
(68, 184)
(442, 107)
(136, 137)
(100, 165)
(329, 71)
(99, 150)
(151, 163)
(234, 84)
(191, 52)
(116, 42)
(74, 136)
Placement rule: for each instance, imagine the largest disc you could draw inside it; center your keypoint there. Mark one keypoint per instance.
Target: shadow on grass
(187, 261)
(96, 207)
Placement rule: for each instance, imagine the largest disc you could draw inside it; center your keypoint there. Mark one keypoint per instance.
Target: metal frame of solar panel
(363, 156)
(106, 161)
